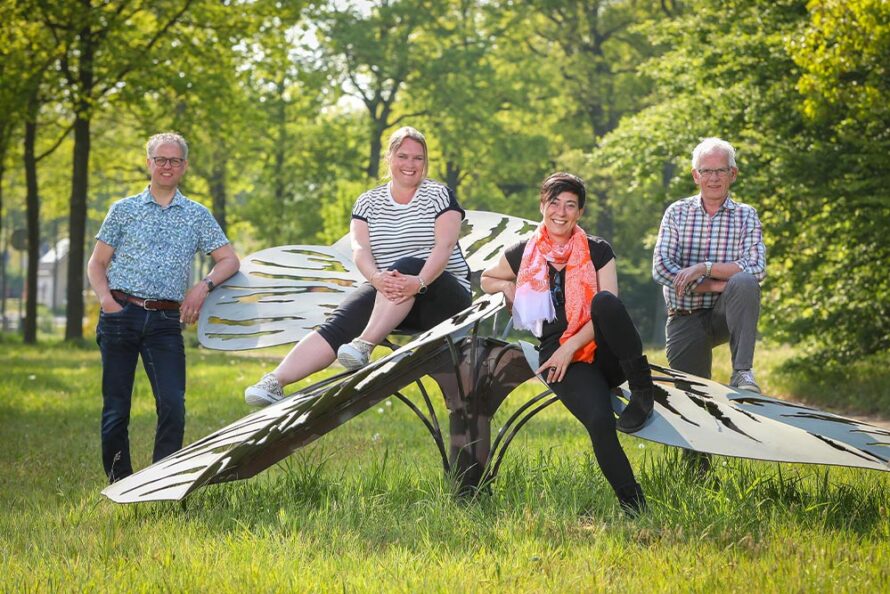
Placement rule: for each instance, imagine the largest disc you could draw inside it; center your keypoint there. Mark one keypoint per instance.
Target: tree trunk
(452, 175)
(32, 201)
(377, 128)
(4, 281)
(219, 188)
(77, 218)
(4, 139)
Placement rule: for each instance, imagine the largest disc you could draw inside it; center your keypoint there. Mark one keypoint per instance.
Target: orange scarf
(533, 304)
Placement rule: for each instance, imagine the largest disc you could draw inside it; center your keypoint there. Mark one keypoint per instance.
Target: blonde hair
(395, 141)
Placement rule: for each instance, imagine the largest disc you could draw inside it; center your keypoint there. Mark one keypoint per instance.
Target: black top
(600, 254)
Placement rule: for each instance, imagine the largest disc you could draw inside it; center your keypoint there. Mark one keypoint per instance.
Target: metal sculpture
(475, 373)
(706, 416)
(282, 293)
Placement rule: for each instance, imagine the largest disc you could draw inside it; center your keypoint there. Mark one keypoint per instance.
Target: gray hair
(396, 140)
(713, 145)
(166, 138)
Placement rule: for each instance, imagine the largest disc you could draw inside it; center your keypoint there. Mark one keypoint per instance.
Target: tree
(101, 47)
(476, 90)
(373, 54)
(800, 89)
(27, 59)
(595, 51)
(836, 295)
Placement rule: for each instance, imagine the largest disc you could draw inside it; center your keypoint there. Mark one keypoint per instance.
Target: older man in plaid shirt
(710, 258)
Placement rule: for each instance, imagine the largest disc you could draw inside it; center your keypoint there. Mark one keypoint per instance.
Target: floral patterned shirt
(154, 246)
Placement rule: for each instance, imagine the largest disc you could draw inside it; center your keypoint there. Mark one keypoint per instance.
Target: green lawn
(366, 507)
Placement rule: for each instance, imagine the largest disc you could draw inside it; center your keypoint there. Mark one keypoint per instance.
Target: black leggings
(585, 390)
(444, 297)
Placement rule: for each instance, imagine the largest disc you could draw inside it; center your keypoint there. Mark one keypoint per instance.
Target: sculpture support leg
(470, 446)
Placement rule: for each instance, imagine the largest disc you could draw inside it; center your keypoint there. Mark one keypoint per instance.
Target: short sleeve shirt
(154, 245)
(600, 254)
(402, 230)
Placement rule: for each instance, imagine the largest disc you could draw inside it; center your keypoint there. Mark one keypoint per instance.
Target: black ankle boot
(642, 395)
(632, 500)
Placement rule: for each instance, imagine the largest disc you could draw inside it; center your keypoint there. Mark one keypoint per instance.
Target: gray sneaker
(743, 379)
(265, 392)
(355, 355)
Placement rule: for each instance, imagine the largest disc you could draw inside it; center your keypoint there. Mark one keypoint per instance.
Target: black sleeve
(452, 205)
(514, 255)
(600, 251)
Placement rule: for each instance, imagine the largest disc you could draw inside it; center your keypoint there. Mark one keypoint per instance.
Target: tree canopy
(287, 106)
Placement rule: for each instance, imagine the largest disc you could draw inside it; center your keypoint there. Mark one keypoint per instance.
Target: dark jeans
(586, 387)
(122, 337)
(444, 298)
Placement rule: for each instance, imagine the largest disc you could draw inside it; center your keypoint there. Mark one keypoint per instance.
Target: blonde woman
(404, 238)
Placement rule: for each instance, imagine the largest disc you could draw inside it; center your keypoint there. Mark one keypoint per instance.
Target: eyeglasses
(174, 162)
(722, 172)
(556, 293)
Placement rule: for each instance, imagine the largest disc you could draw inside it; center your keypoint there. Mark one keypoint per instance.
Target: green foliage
(286, 105)
(777, 80)
(840, 300)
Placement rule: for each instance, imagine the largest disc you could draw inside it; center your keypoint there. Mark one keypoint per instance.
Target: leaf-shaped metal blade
(283, 293)
(703, 415)
(261, 439)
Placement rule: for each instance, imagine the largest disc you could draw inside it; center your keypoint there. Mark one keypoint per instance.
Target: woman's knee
(604, 304)
(601, 427)
(408, 265)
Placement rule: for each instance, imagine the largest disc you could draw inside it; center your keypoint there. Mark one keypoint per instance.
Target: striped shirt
(401, 230)
(688, 236)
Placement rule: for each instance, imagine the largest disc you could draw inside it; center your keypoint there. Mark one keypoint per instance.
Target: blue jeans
(157, 336)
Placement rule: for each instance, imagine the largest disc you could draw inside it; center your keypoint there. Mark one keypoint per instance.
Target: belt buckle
(146, 307)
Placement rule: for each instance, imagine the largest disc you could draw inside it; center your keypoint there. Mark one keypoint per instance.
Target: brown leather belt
(148, 304)
(681, 312)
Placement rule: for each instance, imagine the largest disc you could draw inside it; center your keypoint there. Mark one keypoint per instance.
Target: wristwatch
(422, 288)
(708, 266)
(207, 281)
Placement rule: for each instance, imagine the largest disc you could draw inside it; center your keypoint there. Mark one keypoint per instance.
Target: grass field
(366, 509)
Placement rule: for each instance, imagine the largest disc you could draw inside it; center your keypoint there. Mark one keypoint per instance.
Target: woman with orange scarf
(564, 285)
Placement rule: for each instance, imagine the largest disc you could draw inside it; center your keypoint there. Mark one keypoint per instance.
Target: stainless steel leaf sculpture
(702, 415)
(283, 293)
(261, 439)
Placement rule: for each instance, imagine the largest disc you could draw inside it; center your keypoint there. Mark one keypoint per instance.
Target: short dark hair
(561, 182)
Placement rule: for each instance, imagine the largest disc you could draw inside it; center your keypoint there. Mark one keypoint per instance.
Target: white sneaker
(355, 355)
(265, 392)
(743, 379)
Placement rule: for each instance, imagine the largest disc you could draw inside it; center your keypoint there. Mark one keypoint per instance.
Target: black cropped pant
(444, 298)
(586, 387)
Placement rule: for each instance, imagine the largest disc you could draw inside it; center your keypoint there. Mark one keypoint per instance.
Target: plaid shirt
(689, 236)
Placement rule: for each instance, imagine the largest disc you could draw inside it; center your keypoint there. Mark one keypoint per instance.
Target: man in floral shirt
(140, 271)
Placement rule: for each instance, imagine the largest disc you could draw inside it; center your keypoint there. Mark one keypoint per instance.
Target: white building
(52, 275)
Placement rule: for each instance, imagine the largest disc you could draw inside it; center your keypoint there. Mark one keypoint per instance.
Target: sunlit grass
(366, 508)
